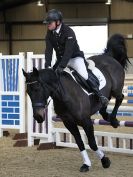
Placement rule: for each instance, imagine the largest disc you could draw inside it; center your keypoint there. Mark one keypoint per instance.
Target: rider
(62, 39)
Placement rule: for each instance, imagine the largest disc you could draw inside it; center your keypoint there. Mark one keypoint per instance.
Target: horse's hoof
(84, 168)
(115, 123)
(105, 162)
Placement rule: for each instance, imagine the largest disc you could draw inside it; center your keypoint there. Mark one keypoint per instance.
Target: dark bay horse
(73, 105)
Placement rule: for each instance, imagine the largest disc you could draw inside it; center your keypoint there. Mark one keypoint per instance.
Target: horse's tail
(116, 47)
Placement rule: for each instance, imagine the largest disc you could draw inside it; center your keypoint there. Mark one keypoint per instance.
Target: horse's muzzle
(39, 115)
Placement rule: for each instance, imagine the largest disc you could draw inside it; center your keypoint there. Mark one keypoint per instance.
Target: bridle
(35, 104)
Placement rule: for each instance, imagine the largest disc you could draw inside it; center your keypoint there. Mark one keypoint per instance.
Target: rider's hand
(59, 70)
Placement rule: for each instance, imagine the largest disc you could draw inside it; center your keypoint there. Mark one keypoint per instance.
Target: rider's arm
(69, 47)
(48, 51)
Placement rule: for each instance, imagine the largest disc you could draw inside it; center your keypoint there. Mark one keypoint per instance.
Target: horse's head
(37, 93)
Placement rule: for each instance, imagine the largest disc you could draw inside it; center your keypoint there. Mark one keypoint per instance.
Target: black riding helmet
(53, 15)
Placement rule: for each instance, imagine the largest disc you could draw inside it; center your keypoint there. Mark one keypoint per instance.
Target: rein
(30, 83)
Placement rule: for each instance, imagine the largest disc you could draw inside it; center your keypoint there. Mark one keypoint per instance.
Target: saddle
(95, 76)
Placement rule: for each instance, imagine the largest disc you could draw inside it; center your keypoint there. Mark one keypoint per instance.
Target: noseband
(38, 105)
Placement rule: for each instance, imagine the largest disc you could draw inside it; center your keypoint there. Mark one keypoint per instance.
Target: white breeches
(78, 64)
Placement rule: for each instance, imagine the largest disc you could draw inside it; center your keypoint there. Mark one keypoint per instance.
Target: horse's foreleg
(89, 130)
(72, 127)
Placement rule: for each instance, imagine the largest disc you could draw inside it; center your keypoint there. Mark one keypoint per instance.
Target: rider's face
(52, 25)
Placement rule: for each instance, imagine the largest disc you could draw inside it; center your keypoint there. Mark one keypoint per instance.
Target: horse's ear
(35, 71)
(24, 73)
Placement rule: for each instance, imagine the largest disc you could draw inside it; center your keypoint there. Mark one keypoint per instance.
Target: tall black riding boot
(104, 101)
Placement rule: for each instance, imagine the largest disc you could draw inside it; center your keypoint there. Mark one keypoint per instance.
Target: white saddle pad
(97, 73)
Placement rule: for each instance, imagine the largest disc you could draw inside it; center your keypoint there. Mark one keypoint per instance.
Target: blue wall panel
(10, 104)
(10, 109)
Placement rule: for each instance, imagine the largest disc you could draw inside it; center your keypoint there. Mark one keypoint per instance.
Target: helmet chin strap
(57, 25)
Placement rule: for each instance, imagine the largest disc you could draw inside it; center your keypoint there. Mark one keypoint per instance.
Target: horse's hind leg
(104, 113)
(113, 120)
(112, 117)
(89, 130)
(72, 127)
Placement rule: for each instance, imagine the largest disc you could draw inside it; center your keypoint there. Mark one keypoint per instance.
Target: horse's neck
(60, 89)
(109, 52)
(49, 79)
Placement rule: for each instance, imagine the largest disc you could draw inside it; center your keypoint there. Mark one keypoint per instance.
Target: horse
(73, 105)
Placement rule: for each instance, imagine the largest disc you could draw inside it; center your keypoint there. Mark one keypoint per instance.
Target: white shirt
(58, 29)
